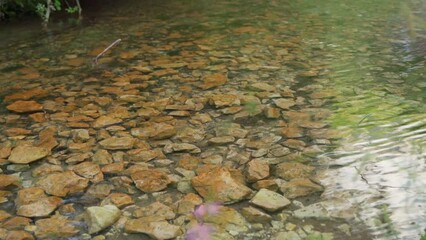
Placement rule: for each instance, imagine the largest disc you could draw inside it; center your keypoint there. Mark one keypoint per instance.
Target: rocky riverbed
(230, 107)
(133, 154)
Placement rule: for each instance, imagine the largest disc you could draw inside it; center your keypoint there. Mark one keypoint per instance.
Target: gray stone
(269, 200)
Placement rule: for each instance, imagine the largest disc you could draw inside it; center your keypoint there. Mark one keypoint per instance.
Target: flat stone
(190, 135)
(224, 100)
(269, 200)
(150, 180)
(228, 219)
(272, 112)
(33, 202)
(5, 152)
(16, 222)
(218, 184)
(259, 86)
(213, 80)
(257, 170)
(13, 132)
(55, 227)
(284, 103)
(80, 135)
(118, 199)
(27, 154)
(155, 131)
(267, 183)
(89, 170)
(62, 184)
(25, 107)
(255, 215)
(291, 132)
(104, 121)
(222, 140)
(102, 157)
(156, 230)
(155, 212)
(118, 143)
(291, 170)
(181, 147)
(26, 95)
(100, 218)
(19, 235)
(295, 144)
(188, 203)
(300, 187)
(7, 181)
(288, 236)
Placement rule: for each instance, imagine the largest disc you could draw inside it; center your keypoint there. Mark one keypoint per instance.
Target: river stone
(62, 184)
(155, 212)
(227, 218)
(99, 218)
(5, 152)
(224, 100)
(118, 143)
(155, 131)
(299, 187)
(290, 170)
(222, 140)
(104, 121)
(218, 184)
(26, 95)
(190, 135)
(288, 236)
(316, 210)
(254, 215)
(27, 154)
(89, 170)
(284, 103)
(269, 200)
(25, 106)
(56, 227)
(150, 180)
(7, 181)
(156, 230)
(181, 147)
(213, 80)
(259, 86)
(33, 202)
(19, 235)
(257, 170)
(120, 200)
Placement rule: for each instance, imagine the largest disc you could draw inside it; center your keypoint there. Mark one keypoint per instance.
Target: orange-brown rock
(33, 202)
(89, 170)
(155, 131)
(10, 132)
(219, 185)
(26, 154)
(32, 93)
(4, 215)
(113, 168)
(214, 80)
(5, 152)
(16, 223)
(150, 180)
(290, 170)
(299, 187)
(38, 117)
(9, 181)
(19, 235)
(62, 184)
(257, 170)
(25, 106)
(118, 199)
(56, 227)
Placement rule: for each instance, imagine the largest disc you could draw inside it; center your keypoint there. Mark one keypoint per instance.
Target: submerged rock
(25, 106)
(220, 185)
(150, 180)
(156, 230)
(62, 184)
(55, 227)
(99, 218)
(27, 154)
(269, 200)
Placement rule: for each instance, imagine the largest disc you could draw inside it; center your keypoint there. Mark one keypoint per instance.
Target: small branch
(95, 60)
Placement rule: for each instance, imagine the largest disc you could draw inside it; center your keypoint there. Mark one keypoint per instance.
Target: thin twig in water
(95, 60)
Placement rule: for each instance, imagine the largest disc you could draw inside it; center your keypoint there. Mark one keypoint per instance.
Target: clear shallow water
(364, 55)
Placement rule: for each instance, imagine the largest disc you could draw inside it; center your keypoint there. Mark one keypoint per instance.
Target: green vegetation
(43, 8)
